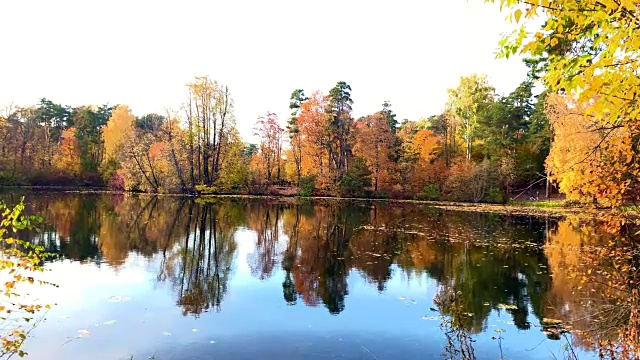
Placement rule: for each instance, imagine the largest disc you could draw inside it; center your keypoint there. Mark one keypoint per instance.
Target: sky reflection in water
(248, 279)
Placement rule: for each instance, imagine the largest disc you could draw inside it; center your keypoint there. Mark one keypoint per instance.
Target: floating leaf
(118, 298)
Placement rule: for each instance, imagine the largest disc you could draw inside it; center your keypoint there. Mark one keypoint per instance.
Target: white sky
(141, 53)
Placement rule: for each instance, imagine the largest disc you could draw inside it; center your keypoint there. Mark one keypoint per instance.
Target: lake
(177, 278)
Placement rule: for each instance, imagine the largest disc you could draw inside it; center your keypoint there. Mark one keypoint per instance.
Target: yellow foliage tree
(119, 128)
(589, 162)
(20, 263)
(590, 49)
(67, 158)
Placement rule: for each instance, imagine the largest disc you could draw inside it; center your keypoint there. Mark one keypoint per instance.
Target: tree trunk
(547, 187)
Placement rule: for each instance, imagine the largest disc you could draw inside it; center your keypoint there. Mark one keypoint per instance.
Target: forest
(570, 127)
(481, 149)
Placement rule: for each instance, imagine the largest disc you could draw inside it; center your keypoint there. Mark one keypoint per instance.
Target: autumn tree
(446, 126)
(151, 122)
(235, 172)
(174, 137)
(589, 49)
(392, 122)
(89, 121)
(117, 131)
(374, 141)
(5, 130)
(210, 117)
(421, 147)
(270, 148)
(340, 124)
(53, 119)
(67, 157)
(313, 124)
(590, 163)
(21, 262)
(293, 129)
(467, 101)
(139, 169)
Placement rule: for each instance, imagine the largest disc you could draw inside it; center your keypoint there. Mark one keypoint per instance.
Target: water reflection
(524, 268)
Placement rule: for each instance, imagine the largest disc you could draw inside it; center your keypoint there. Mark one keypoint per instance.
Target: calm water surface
(170, 277)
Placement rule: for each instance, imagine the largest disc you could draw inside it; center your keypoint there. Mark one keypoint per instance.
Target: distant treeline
(482, 148)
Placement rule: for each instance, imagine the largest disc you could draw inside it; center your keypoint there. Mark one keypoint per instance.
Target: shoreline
(506, 209)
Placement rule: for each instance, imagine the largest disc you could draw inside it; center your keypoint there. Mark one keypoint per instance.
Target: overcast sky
(141, 53)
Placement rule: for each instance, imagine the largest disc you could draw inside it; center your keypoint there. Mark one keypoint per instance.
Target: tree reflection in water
(203, 260)
(459, 344)
(571, 275)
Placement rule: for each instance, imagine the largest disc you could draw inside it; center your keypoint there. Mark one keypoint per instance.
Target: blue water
(110, 307)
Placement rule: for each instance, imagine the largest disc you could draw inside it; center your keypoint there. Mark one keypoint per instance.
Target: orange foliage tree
(67, 158)
(420, 163)
(374, 142)
(313, 124)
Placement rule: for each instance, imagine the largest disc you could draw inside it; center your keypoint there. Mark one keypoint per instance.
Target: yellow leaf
(517, 14)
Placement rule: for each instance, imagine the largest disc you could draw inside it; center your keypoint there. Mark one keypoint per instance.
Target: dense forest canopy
(482, 148)
(577, 134)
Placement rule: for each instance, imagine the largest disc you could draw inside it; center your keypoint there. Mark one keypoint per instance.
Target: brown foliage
(374, 142)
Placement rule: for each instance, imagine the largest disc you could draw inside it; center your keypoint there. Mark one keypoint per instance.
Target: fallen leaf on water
(507, 306)
(118, 298)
